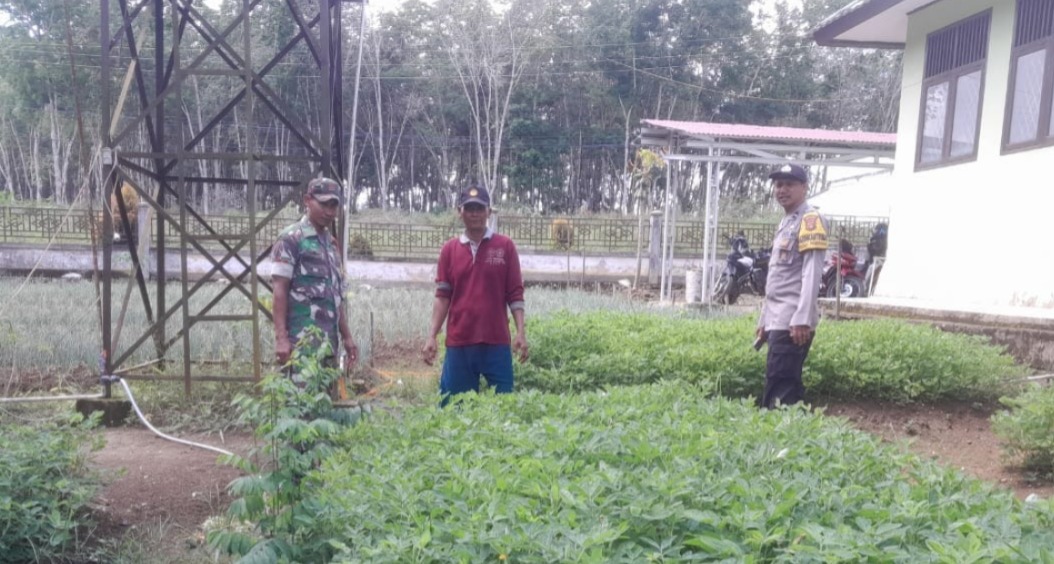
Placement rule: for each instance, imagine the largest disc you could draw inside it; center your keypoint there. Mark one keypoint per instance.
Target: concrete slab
(60, 259)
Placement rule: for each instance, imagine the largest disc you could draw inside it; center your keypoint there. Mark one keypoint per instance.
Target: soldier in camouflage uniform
(791, 311)
(307, 277)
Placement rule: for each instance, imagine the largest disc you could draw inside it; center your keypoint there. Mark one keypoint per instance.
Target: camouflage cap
(323, 189)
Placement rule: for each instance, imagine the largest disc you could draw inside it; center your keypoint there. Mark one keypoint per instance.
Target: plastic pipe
(142, 418)
(49, 398)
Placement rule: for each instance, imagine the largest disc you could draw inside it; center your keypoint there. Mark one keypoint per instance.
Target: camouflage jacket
(311, 261)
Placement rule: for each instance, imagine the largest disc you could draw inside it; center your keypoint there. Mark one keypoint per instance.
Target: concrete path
(60, 259)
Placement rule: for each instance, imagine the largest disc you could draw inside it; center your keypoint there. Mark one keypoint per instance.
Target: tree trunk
(58, 176)
(203, 166)
(7, 173)
(624, 180)
(34, 155)
(380, 156)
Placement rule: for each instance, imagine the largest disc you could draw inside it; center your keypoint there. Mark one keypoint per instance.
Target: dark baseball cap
(474, 195)
(790, 172)
(323, 189)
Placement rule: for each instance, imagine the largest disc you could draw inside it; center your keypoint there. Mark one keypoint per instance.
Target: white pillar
(712, 199)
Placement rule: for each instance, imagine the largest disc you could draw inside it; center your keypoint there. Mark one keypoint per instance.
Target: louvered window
(1030, 108)
(952, 90)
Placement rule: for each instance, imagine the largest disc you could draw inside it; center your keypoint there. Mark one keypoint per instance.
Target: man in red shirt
(478, 282)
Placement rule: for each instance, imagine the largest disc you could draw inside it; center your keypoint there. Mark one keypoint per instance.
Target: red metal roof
(767, 133)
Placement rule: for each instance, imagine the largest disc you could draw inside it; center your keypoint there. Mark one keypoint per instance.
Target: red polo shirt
(481, 288)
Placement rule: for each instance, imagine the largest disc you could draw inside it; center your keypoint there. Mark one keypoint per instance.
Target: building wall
(948, 223)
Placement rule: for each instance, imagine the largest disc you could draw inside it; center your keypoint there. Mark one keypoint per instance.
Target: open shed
(715, 144)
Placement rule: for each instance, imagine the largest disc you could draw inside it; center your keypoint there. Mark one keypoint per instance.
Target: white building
(973, 207)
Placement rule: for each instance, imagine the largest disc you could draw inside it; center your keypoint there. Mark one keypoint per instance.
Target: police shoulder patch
(812, 235)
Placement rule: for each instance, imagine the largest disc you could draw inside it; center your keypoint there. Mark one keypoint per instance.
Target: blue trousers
(463, 366)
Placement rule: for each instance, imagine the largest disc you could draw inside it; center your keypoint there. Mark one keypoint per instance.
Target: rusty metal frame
(158, 172)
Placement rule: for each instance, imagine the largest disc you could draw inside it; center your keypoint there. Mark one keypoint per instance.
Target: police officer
(790, 313)
(307, 277)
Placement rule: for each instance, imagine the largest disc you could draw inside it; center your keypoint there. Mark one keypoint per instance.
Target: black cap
(790, 172)
(474, 195)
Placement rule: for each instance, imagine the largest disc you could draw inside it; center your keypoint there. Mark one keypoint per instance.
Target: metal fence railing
(619, 235)
(578, 234)
(39, 225)
(406, 241)
(397, 241)
(760, 234)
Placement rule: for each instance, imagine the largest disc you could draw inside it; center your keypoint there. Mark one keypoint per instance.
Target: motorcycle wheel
(732, 295)
(851, 288)
(723, 291)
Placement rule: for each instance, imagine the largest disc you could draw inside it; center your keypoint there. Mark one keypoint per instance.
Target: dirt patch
(152, 481)
(157, 483)
(395, 362)
(18, 381)
(956, 435)
(388, 356)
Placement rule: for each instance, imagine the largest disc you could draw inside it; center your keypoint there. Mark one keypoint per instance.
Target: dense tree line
(540, 100)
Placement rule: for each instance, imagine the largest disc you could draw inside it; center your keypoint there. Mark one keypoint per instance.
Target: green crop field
(632, 438)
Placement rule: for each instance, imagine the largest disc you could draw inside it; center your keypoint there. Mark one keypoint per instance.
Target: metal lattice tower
(272, 72)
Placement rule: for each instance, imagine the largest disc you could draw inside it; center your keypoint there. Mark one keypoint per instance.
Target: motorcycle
(876, 254)
(852, 279)
(745, 272)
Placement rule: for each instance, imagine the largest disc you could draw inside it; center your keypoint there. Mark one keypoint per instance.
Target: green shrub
(880, 360)
(1027, 429)
(562, 234)
(898, 361)
(296, 427)
(577, 352)
(648, 474)
(359, 246)
(45, 485)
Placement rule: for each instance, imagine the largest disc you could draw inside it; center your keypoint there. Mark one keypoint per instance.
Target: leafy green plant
(647, 474)
(297, 427)
(1027, 428)
(45, 485)
(598, 349)
(898, 361)
(574, 352)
